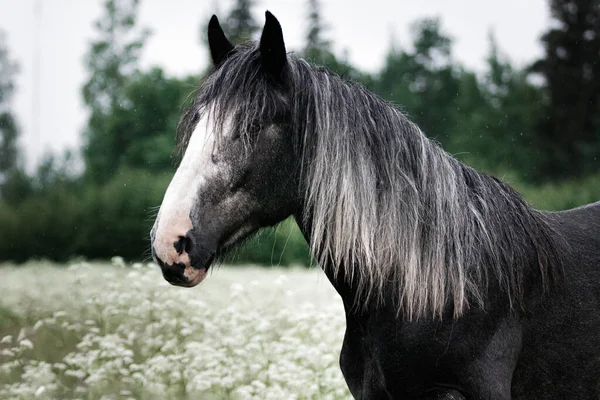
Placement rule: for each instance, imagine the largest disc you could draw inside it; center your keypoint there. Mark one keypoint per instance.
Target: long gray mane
(386, 205)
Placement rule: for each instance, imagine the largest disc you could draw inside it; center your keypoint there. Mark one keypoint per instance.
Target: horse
(453, 286)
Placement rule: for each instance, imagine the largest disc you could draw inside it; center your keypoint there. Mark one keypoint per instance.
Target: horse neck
(532, 274)
(339, 282)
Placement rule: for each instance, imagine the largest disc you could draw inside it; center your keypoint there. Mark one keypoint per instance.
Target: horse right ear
(220, 47)
(272, 47)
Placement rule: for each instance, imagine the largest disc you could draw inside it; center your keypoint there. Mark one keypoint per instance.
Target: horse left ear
(220, 47)
(272, 47)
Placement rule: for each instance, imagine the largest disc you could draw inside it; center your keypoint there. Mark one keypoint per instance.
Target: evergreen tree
(111, 61)
(8, 125)
(9, 134)
(569, 131)
(424, 82)
(317, 49)
(239, 24)
(15, 184)
(495, 118)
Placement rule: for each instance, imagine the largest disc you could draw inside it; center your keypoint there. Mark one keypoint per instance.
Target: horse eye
(254, 128)
(251, 131)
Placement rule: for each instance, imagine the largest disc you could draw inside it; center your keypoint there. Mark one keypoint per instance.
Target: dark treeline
(537, 127)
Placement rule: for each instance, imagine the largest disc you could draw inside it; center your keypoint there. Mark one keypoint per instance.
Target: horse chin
(195, 277)
(192, 276)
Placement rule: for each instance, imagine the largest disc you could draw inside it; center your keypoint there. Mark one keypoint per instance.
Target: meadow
(119, 331)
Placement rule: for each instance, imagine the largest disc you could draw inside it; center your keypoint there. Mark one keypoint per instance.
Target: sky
(362, 29)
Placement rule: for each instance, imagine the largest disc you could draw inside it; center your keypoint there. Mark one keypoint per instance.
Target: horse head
(238, 172)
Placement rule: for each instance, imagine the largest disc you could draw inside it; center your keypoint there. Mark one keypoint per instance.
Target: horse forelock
(383, 202)
(236, 93)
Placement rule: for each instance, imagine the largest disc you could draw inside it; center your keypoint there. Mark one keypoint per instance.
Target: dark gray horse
(454, 288)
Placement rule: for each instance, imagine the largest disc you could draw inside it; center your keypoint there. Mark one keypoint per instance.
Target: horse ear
(272, 47)
(219, 46)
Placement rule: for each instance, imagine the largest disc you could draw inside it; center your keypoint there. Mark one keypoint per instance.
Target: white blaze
(174, 215)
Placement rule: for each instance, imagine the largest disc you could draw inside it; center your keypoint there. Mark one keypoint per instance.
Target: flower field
(115, 331)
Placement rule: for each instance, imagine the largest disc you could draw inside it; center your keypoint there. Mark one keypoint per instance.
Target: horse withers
(453, 287)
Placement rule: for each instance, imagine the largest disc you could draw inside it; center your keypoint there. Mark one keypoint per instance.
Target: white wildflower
(249, 333)
(38, 325)
(40, 391)
(7, 353)
(118, 261)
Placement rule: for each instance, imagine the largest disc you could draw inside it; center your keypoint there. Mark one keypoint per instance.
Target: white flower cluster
(121, 332)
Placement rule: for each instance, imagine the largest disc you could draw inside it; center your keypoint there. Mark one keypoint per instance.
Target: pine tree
(240, 25)
(317, 49)
(8, 125)
(499, 116)
(424, 81)
(15, 184)
(569, 132)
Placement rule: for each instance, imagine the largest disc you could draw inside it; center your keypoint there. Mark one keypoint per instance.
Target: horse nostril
(180, 245)
(183, 244)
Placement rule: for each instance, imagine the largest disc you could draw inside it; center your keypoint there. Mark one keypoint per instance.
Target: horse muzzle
(181, 261)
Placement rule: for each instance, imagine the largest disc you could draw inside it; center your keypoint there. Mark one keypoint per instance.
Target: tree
(240, 25)
(111, 61)
(569, 130)
(423, 82)
(14, 182)
(8, 125)
(147, 123)
(317, 48)
(9, 133)
(495, 117)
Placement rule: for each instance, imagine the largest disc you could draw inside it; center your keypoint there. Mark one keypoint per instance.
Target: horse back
(580, 229)
(560, 356)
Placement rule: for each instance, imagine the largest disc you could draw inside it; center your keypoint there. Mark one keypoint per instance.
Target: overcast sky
(362, 28)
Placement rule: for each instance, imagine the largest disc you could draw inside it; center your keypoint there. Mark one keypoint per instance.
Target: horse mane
(384, 203)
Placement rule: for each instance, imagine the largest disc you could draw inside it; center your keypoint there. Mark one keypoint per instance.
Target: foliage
(116, 217)
(8, 142)
(12, 178)
(15, 184)
(424, 82)
(240, 25)
(92, 331)
(317, 49)
(556, 196)
(141, 132)
(8, 69)
(103, 220)
(145, 125)
(497, 121)
(111, 61)
(97, 221)
(487, 121)
(283, 245)
(569, 128)
(16, 187)
(495, 118)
